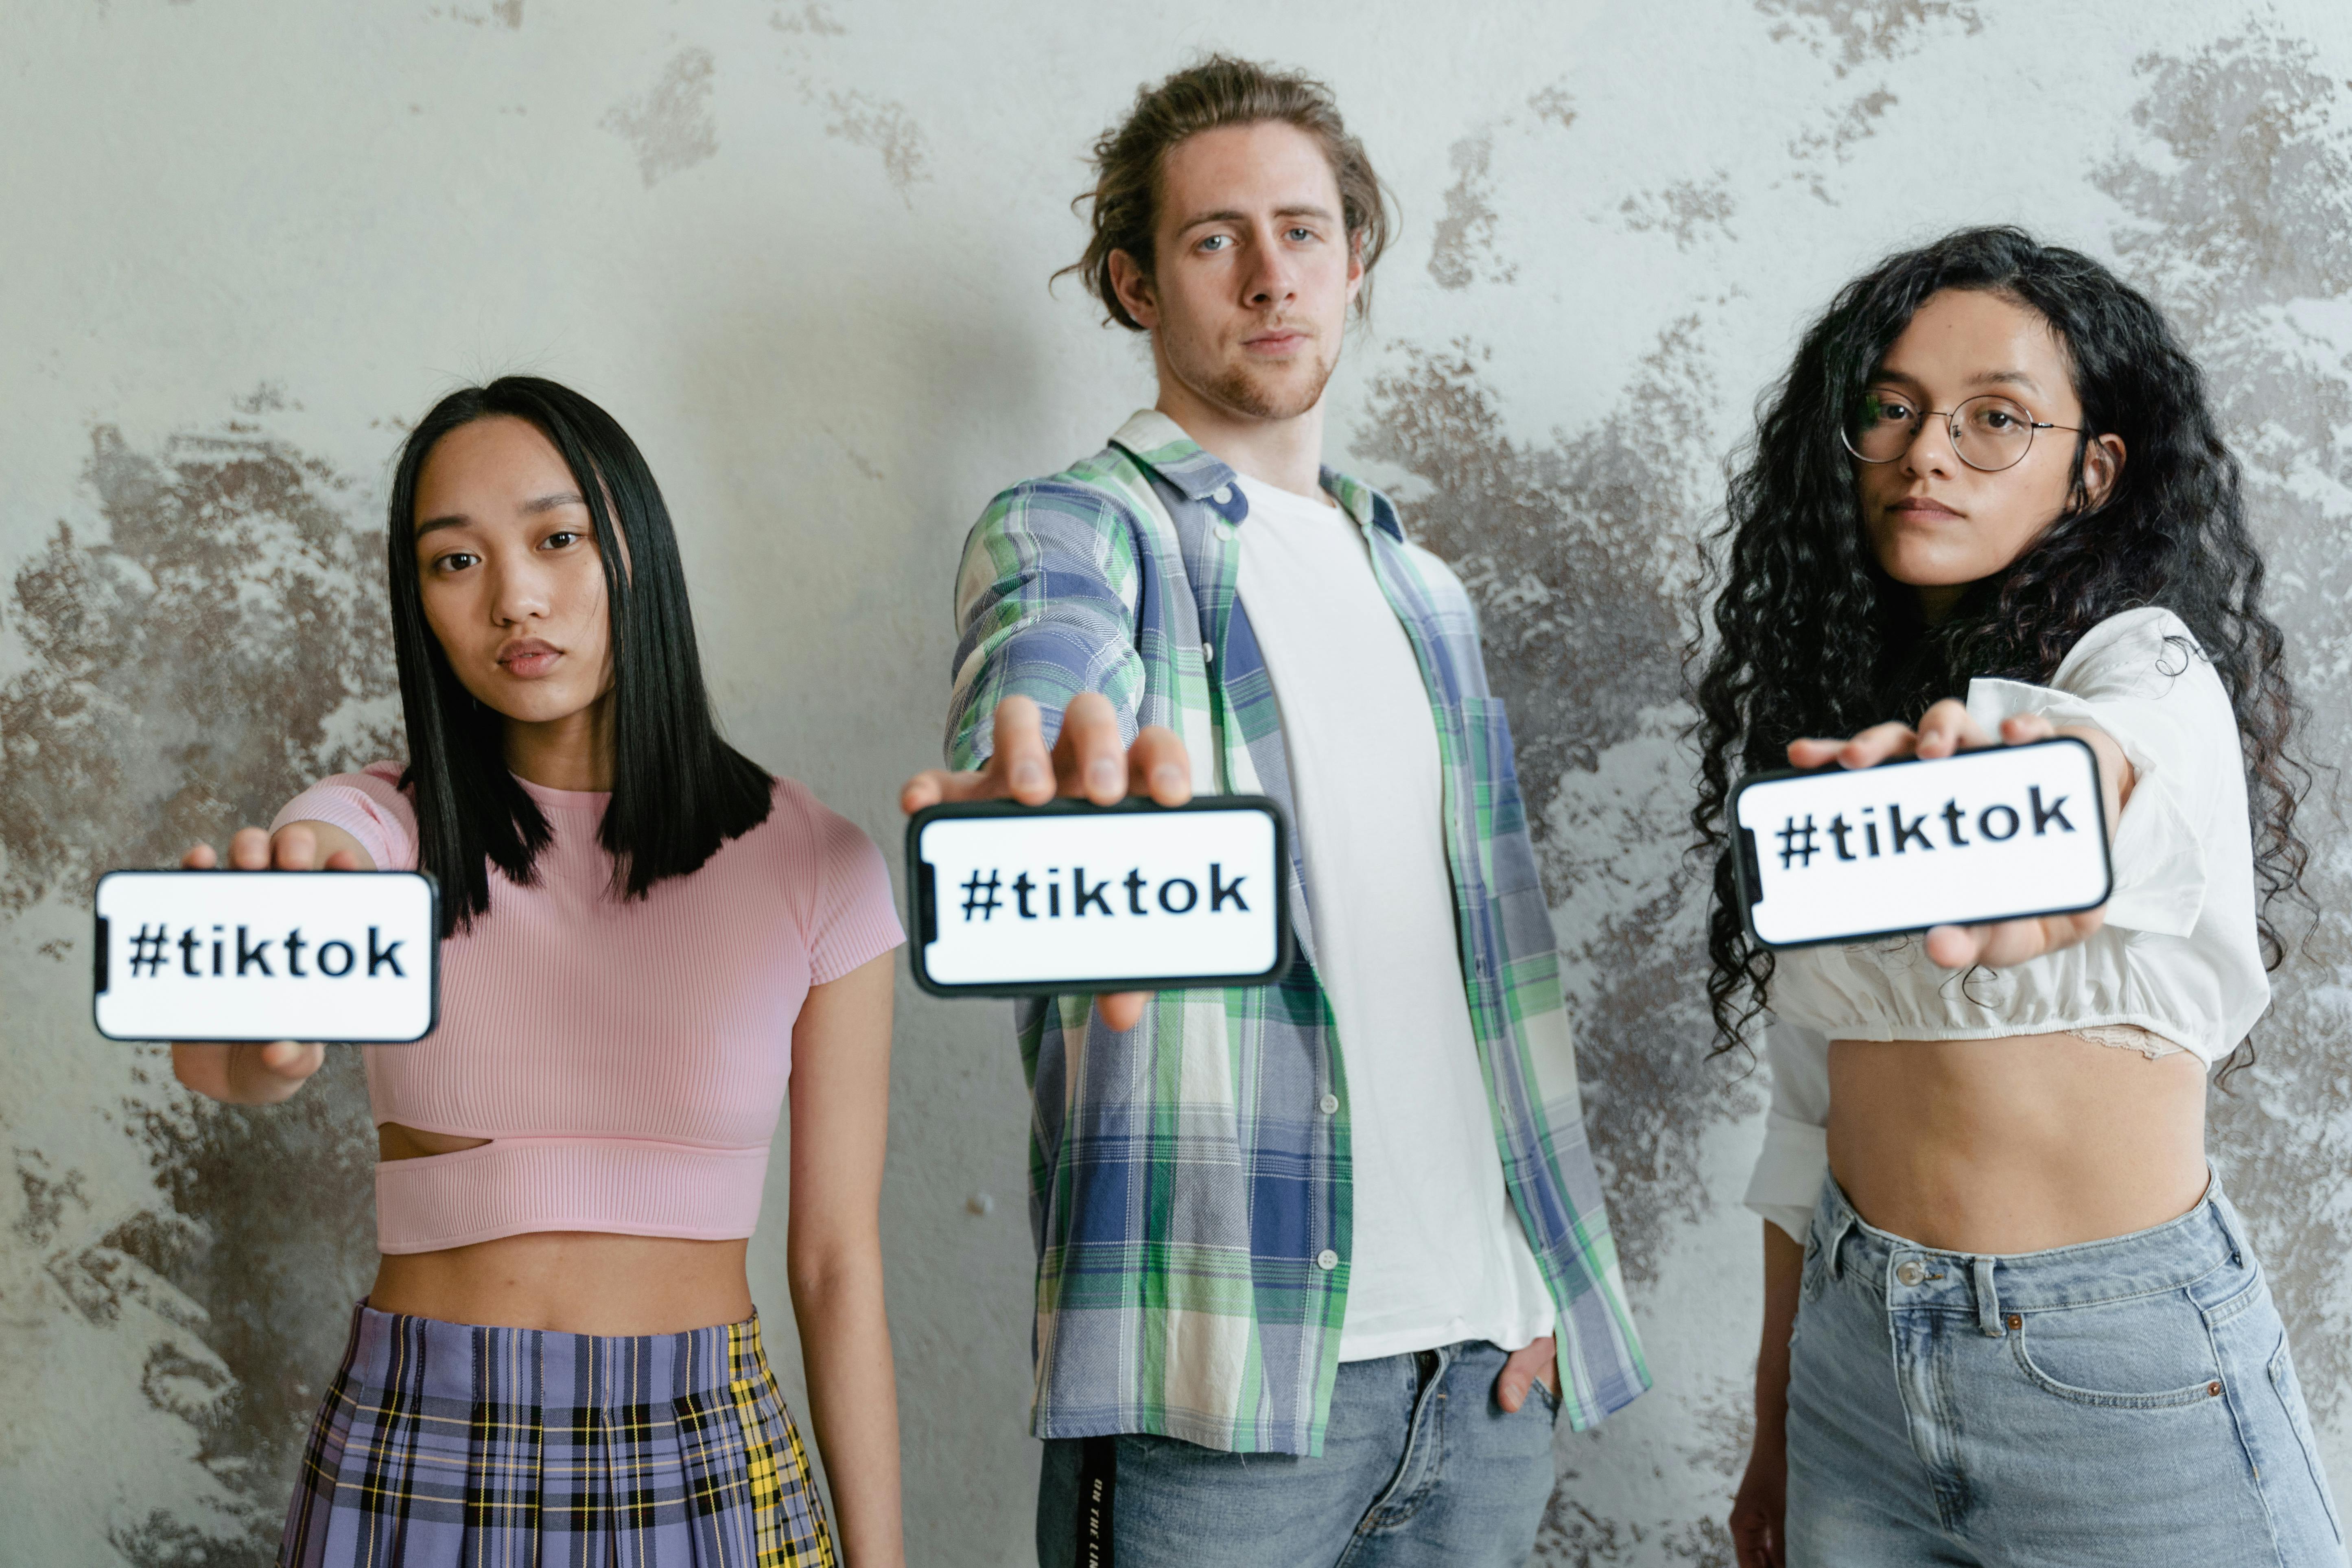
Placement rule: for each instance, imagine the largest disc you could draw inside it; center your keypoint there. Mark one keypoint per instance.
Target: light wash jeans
(1421, 1469)
(2127, 1402)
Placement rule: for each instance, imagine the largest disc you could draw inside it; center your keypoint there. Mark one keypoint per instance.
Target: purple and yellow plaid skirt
(449, 1444)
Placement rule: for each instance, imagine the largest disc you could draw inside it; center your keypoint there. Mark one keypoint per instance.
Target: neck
(574, 753)
(1284, 453)
(1937, 602)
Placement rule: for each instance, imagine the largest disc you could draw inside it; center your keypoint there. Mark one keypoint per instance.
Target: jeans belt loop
(1988, 1300)
(2227, 1218)
(1836, 1244)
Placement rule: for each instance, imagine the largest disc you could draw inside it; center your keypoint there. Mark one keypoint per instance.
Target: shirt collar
(1160, 444)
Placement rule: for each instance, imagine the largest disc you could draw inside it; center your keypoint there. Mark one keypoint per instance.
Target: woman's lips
(529, 660)
(1921, 509)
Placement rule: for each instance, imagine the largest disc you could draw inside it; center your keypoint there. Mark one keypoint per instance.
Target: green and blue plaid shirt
(1189, 1194)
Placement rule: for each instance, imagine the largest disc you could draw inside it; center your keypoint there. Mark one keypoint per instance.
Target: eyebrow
(1233, 215)
(1987, 378)
(532, 508)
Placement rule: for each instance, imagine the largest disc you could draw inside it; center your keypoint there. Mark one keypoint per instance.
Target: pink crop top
(627, 1061)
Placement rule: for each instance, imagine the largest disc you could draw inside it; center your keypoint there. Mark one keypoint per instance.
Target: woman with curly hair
(2010, 1316)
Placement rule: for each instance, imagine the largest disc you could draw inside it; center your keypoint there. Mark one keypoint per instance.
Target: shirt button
(1329, 1104)
(1327, 1260)
(1223, 495)
(1909, 1271)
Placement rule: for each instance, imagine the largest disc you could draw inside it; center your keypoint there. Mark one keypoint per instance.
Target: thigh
(1174, 1504)
(1471, 1494)
(2111, 1434)
(1859, 1495)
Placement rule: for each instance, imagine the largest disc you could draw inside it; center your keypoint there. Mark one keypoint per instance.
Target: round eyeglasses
(1990, 432)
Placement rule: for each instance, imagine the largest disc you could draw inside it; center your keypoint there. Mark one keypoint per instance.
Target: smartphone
(1842, 855)
(345, 957)
(1032, 900)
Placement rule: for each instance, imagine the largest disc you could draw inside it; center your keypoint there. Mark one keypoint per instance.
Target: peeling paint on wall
(670, 125)
(1850, 33)
(216, 642)
(886, 127)
(2242, 212)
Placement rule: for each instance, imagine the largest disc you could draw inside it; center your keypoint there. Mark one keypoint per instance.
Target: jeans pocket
(2289, 1389)
(2150, 1353)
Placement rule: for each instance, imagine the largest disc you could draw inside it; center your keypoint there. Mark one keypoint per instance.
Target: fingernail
(1167, 776)
(1027, 775)
(1103, 774)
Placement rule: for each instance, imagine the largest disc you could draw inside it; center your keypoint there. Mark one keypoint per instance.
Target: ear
(1133, 287)
(2102, 461)
(1355, 266)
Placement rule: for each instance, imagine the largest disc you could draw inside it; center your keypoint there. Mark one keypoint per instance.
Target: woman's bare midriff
(2015, 1144)
(574, 1281)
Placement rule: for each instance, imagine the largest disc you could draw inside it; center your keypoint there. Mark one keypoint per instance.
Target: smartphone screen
(1012, 900)
(1841, 855)
(345, 957)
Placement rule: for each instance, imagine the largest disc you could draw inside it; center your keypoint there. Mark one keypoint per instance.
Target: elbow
(833, 1267)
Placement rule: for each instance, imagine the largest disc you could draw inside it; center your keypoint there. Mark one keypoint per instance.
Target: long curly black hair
(1813, 637)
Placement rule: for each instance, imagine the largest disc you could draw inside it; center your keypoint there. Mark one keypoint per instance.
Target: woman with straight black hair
(648, 942)
(2009, 1317)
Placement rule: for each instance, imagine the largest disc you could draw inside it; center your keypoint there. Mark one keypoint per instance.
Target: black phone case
(1751, 874)
(922, 906)
(99, 977)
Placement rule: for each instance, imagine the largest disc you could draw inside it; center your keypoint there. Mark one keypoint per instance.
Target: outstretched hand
(1946, 729)
(1088, 762)
(249, 1074)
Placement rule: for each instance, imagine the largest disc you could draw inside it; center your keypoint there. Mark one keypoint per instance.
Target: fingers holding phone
(1086, 762)
(1089, 761)
(247, 1072)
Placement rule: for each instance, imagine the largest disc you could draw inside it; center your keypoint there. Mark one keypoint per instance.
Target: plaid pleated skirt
(451, 1444)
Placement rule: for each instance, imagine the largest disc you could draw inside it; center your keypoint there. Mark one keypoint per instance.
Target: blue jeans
(1420, 1466)
(2126, 1402)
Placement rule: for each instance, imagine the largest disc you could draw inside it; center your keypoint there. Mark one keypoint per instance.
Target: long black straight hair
(678, 790)
(1813, 637)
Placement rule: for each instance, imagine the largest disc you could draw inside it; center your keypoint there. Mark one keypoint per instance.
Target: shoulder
(2145, 652)
(1108, 486)
(375, 787)
(369, 804)
(815, 837)
(1436, 576)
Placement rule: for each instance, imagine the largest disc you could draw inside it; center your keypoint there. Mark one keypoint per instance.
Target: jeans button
(1909, 1272)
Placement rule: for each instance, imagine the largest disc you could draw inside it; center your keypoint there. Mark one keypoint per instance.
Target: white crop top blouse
(2177, 955)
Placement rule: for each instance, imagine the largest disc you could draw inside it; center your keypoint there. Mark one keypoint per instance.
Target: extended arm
(840, 1107)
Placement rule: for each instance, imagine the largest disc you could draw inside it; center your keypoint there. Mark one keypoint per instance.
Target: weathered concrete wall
(799, 249)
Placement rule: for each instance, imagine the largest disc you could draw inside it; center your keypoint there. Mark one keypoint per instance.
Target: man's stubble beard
(1239, 389)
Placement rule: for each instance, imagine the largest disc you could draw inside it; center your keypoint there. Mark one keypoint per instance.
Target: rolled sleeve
(2141, 679)
(1795, 1160)
(1045, 608)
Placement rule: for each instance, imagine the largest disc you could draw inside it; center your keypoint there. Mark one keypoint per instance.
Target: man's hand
(1946, 729)
(1086, 763)
(1531, 1364)
(259, 1074)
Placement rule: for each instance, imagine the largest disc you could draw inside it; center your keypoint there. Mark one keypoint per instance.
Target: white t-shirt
(1438, 1252)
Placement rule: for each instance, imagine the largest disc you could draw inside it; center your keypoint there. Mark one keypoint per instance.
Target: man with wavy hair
(1321, 1263)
